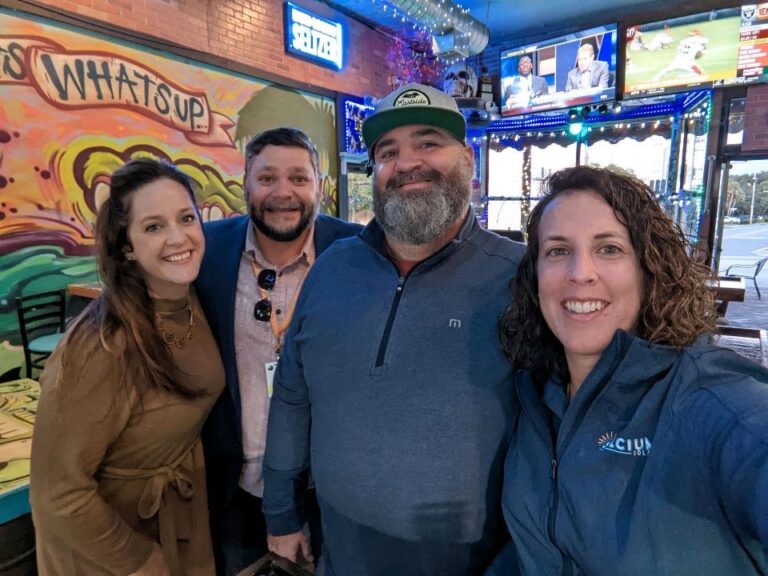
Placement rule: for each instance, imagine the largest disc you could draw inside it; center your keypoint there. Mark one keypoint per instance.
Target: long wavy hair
(123, 314)
(677, 306)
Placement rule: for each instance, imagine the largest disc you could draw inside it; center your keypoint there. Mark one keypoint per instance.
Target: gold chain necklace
(168, 336)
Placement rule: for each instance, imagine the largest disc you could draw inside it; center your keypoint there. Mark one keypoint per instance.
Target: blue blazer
(216, 287)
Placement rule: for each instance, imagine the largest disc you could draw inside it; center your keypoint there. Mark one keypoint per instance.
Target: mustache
(413, 176)
(282, 204)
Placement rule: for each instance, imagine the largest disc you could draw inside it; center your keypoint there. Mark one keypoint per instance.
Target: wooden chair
(41, 323)
(758, 266)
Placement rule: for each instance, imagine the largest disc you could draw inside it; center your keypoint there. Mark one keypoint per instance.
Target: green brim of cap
(378, 124)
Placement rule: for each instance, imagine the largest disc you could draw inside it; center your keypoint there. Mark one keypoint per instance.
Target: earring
(129, 258)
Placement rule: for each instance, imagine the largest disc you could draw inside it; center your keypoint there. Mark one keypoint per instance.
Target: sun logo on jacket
(605, 438)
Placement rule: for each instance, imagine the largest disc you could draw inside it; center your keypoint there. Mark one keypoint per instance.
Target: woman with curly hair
(118, 478)
(639, 449)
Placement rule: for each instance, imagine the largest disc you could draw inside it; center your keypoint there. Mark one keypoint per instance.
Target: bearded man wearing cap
(391, 383)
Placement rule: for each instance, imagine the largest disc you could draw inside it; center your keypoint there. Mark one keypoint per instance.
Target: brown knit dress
(113, 471)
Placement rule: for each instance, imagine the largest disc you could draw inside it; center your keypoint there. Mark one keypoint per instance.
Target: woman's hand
(155, 564)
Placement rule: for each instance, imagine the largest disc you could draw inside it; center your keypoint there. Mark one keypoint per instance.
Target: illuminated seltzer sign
(312, 37)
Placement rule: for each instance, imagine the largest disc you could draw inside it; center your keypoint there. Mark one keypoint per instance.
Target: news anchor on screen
(588, 73)
(524, 86)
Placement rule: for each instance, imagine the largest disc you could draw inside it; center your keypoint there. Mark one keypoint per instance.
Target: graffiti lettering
(63, 87)
(161, 99)
(148, 83)
(123, 80)
(97, 79)
(111, 81)
(13, 61)
(13, 69)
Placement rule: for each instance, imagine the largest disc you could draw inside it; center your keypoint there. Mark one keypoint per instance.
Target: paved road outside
(744, 244)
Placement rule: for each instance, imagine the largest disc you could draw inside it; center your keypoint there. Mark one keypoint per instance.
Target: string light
(502, 138)
(354, 114)
(421, 18)
(525, 204)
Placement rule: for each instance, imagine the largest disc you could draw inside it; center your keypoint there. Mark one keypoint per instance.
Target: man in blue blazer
(250, 277)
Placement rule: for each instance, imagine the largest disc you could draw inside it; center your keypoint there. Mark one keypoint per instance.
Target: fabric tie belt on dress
(154, 501)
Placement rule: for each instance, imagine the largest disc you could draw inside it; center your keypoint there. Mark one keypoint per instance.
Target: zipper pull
(554, 469)
(400, 282)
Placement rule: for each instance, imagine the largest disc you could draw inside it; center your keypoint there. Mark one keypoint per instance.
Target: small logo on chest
(454, 323)
(611, 442)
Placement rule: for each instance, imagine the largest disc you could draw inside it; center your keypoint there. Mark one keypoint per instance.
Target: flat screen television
(752, 61)
(716, 48)
(569, 70)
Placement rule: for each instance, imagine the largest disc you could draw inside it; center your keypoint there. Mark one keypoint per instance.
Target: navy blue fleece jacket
(396, 390)
(659, 466)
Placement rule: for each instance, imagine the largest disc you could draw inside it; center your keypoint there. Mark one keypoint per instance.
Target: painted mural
(74, 106)
(18, 407)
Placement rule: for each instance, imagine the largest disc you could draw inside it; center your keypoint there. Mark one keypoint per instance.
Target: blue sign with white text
(312, 37)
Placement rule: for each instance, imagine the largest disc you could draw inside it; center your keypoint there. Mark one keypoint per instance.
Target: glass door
(355, 189)
(743, 227)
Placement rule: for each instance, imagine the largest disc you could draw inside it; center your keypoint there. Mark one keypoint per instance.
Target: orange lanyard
(279, 328)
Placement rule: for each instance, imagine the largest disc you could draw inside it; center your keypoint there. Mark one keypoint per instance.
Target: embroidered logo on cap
(411, 98)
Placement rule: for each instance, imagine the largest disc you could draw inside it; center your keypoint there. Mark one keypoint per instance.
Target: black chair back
(40, 315)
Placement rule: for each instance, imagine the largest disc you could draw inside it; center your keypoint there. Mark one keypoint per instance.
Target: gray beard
(422, 216)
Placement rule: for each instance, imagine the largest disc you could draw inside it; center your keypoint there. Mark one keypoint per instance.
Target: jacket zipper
(550, 435)
(568, 564)
(553, 508)
(390, 321)
(551, 518)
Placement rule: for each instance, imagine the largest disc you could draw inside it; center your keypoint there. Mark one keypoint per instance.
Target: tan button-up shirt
(255, 345)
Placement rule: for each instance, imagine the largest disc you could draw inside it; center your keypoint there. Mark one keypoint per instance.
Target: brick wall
(245, 35)
(756, 120)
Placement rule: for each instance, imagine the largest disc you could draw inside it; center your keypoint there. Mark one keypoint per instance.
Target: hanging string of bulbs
(424, 18)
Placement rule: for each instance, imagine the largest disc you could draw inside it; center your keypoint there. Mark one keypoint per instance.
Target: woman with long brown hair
(117, 479)
(639, 449)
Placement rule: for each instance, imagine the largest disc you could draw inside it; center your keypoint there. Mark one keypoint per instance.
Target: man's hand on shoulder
(295, 547)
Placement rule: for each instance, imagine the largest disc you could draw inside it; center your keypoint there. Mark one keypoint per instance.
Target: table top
(751, 343)
(18, 406)
(84, 289)
(729, 288)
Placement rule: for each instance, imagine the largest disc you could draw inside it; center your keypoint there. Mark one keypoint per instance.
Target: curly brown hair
(677, 305)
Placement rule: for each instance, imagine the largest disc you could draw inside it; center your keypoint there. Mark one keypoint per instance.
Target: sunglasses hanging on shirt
(266, 279)
(262, 310)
